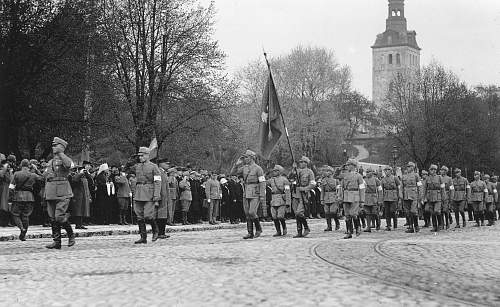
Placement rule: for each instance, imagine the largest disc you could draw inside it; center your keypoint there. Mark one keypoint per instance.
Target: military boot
(299, 228)
(368, 224)
(56, 236)
(70, 233)
(142, 232)
(283, 225)
(306, 227)
(395, 220)
(337, 222)
(357, 227)
(348, 224)
(154, 230)
(328, 223)
(258, 228)
(249, 229)
(410, 225)
(278, 228)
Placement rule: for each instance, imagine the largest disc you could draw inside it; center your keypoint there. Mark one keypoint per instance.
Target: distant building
(395, 51)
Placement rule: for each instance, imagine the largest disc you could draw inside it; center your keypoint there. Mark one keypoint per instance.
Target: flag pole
(281, 113)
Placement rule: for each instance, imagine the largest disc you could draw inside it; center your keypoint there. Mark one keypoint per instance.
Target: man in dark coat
(80, 203)
(6, 173)
(196, 204)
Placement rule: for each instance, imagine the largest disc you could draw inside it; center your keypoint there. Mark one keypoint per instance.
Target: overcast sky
(464, 35)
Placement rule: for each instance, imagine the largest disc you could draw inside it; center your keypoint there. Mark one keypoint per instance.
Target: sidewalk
(36, 232)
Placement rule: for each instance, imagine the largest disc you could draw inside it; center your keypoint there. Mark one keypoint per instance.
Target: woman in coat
(80, 203)
(104, 195)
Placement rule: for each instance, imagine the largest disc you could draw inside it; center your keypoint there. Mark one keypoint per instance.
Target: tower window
(393, 13)
(398, 59)
(390, 58)
(399, 13)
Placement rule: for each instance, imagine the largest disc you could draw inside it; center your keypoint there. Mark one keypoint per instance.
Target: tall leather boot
(328, 223)
(410, 229)
(368, 223)
(337, 222)
(476, 217)
(278, 228)
(435, 226)
(457, 215)
(463, 219)
(124, 214)
(121, 218)
(142, 232)
(69, 232)
(415, 223)
(283, 225)
(357, 227)
(299, 228)
(249, 229)
(395, 220)
(306, 227)
(388, 222)
(258, 228)
(154, 229)
(363, 222)
(348, 223)
(440, 222)
(184, 218)
(56, 236)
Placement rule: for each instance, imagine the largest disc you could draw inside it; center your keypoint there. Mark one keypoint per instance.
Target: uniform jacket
(80, 203)
(305, 182)
(433, 188)
(412, 186)
(353, 188)
(391, 187)
(56, 175)
(492, 192)
(329, 190)
(165, 196)
(448, 187)
(213, 189)
(185, 188)
(173, 186)
(373, 193)
(280, 191)
(479, 190)
(462, 188)
(253, 180)
(148, 186)
(23, 182)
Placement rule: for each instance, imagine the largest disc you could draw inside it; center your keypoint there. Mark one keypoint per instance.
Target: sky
(462, 35)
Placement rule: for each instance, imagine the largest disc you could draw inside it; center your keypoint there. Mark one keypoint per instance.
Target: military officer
(58, 193)
(478, 194)
(281, 198)
(460, 196)
(147, 194)
(173, 191)
(22, 185)
(305, 182)
(373, 196)
(330, 187)
(425, 210)
(254, 187)
(412, 191)
(490, 200)
(162, 210)
(448, 194)
(353, 195)
(391, 191)
(433, 195)
(213, 192)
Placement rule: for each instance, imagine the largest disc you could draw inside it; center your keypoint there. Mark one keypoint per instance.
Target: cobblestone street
(218, 268)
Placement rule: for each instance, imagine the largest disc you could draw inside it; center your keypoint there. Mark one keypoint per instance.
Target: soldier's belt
(278, 193)
(459, 189)
(370, 192)
(390, 189)
(251, 182)
(57, 179)
(434, 189)
(144, 183)
(353, 189)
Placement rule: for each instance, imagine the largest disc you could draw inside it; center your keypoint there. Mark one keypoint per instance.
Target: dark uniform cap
(433, 166)
(59, 141)
(410, 164)
(305, 159)
(369, 170)
(444, 168)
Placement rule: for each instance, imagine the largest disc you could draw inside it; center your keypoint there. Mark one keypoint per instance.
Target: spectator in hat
(80, 203)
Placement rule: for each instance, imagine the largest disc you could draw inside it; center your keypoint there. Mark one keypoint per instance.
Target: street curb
(168, 229)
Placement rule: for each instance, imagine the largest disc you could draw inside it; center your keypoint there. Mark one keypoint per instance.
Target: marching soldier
(281, 198)
(254, 187)
(448, 194)
(300, 198)
(353, 196)
(58, 193)
(478, 194)
(373, 194)
(433, 195)
(490, 200)
(330, 187)
(460, 196)
(147, 194)
(411, 196)
(391, 187)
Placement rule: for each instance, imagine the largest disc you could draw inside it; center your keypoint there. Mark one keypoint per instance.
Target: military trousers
(278, 212)
(390, 208)
(185, 204)
(332, 208)
(478, 206)
(144, 210)
(21, 212)
(351, 209)
(170, 210)
(434, 207)
(445, 206)
(410, 206)
(371, 209)
(458, 205)
(251, 206)
(298, 206)
(58, 210)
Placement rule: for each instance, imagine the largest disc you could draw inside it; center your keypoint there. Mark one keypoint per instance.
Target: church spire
(396, 18)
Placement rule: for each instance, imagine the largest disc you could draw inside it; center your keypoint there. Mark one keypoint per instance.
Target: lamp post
(395, 153)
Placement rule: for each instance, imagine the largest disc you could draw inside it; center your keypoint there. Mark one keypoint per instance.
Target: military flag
(271, 125)
(153, 149)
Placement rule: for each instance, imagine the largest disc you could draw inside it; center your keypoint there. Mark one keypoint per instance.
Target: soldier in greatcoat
(304, 183)
(373, 196)
(58, 193)
(146, 194)
(330, 187)
(434, 188)
(6, 173)
(281, 198)
(412, 196)
(353, 196)
(391, 191)
(460, 196)
(254, 191)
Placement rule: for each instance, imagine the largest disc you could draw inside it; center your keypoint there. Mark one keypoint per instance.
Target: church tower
(395, 51)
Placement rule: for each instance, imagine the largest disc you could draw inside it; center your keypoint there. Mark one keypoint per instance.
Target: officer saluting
(254, 191)
(58, 193)
(147, 194)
